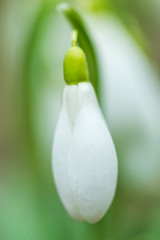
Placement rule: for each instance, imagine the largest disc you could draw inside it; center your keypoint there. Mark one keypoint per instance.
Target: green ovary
(75, 66)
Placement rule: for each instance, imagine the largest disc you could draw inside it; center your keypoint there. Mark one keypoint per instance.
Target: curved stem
(74, 37)
(84, 41)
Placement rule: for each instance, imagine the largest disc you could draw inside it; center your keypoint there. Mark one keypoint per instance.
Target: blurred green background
(34, 37)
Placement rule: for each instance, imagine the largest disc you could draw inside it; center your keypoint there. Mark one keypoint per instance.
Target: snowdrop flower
(84, 156)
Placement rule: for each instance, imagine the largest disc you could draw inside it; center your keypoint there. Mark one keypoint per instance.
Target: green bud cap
(75, 64)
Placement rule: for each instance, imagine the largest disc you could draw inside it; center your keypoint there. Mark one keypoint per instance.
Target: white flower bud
(84, 156)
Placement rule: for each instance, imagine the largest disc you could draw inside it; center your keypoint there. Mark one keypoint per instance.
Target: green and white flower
(84, 156)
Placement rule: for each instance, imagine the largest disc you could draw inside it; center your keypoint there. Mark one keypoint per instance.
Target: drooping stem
(84, 41)
(74, 37)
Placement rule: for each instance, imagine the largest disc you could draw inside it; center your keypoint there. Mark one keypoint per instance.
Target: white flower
(84, 157)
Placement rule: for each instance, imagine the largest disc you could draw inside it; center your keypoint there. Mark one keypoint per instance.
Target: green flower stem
(74, 38)
(84, 42)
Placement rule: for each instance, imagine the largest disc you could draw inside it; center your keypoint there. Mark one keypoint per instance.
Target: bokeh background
(34, 37)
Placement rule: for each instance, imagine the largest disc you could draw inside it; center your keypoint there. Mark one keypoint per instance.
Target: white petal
(92, 159)
(60, 155)
(72, 104)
